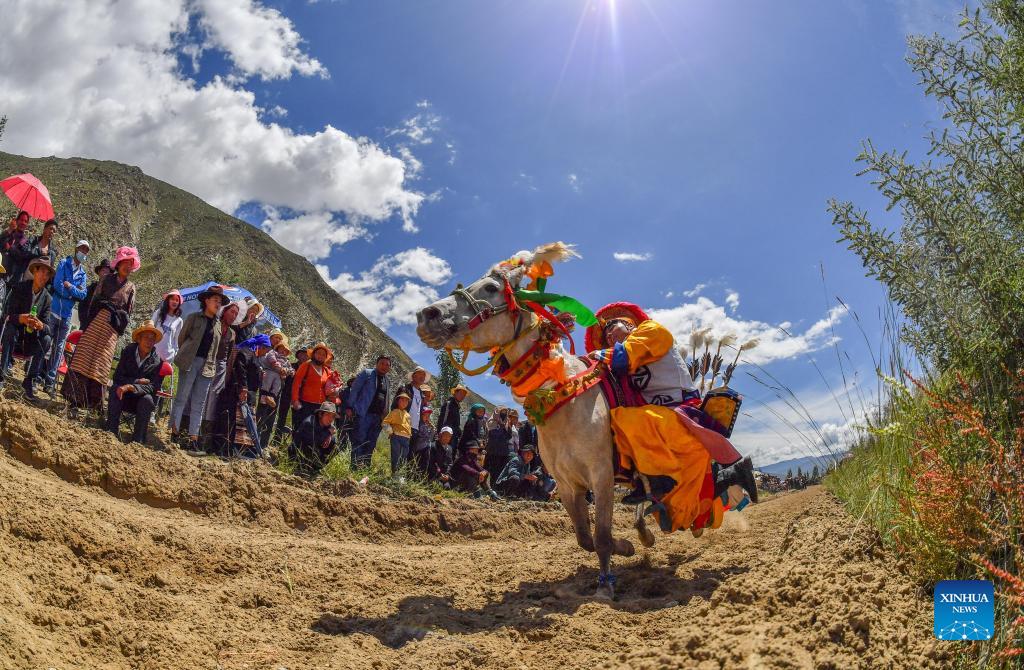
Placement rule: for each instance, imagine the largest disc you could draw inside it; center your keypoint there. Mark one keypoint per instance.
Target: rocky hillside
(184, 242)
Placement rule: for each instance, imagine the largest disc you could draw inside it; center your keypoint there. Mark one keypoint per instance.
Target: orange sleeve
(647, 343)
(300, 374)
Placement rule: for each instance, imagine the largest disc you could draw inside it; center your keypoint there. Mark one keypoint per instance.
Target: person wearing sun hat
(110, 310)
(309, 388)
(68, 287)
(246, 327)
(451, 413)
(26, 326)
(196, 361)
(136, 381)
(314, 441)
(655, 440)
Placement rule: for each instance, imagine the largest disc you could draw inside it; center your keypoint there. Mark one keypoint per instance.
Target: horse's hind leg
(646, 536)
(575, 503)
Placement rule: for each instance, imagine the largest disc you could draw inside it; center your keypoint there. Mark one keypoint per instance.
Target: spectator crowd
(229, 389)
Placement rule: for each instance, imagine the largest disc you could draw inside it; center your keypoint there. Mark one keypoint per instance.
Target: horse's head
(465, 319)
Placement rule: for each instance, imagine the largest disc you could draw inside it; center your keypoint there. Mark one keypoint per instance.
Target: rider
(654, 439)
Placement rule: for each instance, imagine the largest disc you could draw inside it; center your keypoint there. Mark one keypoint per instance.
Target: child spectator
(401, 430)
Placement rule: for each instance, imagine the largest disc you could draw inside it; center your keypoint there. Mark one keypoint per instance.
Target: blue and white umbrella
(190, 301)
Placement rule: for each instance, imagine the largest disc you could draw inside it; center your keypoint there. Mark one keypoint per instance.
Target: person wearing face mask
(68, 288)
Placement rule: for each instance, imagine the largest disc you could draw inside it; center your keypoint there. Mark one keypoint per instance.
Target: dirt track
(113, 556)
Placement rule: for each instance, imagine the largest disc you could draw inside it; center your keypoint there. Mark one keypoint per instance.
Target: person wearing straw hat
(68, 288)
(110, 310)
(26, 326)
(397, 420)
(276, 369)
(314, 440)
(369, 401)
(451, 413)
(196, 362)
(309, 389)
(137, 378)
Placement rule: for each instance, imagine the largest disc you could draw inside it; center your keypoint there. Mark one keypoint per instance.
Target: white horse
(576, 441)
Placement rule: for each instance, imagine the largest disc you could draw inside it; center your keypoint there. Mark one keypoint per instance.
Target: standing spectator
(15, 244)
(314, 439)
(229, 315)
(110, 310)
(167, 318)
(469, 475)
(401, 430)
(276, 369)
(285, 405)
(528, 434)
(475, 428)
(369, 403)
(246, 328)
(196, 361)
(68, 288)
(26, 324)
(451, 413)
(499, 440)
(42, 246)
(346, 417)
(309, 390)
(441, 458)
(417, 379)
(236, 407)
(101, 270)
(136, 380)
(422, 440)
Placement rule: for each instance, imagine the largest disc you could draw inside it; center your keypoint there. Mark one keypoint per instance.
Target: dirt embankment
(113, 556)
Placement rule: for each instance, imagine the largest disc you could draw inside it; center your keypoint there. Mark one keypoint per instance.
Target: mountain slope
(184, 242)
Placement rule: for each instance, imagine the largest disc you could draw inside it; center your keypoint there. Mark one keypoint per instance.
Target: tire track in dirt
(95, 580)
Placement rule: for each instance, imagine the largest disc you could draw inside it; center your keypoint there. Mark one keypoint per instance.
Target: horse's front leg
(606, 544)
(575, 503)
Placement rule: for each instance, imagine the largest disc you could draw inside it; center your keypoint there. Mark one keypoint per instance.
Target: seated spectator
(137, 378)
(401, 431)
(439, 466)
(27, 327)
(470, 476)
(474, 429)
(314, 440)
(423, 440)
(524, 478)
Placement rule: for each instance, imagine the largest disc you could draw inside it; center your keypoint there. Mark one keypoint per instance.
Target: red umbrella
(29, 194)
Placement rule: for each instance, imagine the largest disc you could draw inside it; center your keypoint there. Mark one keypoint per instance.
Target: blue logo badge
(964, 610)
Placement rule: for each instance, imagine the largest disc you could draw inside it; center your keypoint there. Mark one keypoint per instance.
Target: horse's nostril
(431, 313)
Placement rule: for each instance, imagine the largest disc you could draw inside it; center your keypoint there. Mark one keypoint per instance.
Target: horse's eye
(491, 288)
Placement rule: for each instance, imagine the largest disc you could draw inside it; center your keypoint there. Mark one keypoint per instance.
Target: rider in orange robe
(654, 439)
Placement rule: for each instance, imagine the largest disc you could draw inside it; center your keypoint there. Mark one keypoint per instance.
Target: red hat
(616, 310)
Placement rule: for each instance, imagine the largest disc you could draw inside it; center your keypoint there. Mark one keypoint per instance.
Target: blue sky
(700, 138)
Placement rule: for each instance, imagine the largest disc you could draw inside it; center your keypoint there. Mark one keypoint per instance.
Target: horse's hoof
(605, 593)
(624, 548)
(646, 536)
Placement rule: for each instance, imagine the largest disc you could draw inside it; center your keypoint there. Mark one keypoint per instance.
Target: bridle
(483, 311)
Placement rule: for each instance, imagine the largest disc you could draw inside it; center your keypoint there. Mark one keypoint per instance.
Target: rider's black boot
(741, 474)
(660, 485)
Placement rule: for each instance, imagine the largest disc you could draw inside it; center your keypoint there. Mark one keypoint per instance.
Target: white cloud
(669, 294)
(733, 301)
(123, 97)
(574, 181)
(313, 235)
(695, 291)
(395, 288)
(258, 39)
(775, 342)
(631, 257)
(419, 128)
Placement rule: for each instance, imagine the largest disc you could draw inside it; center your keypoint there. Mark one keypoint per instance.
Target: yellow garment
(648, 342)
(401, 424)
(654, 441)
